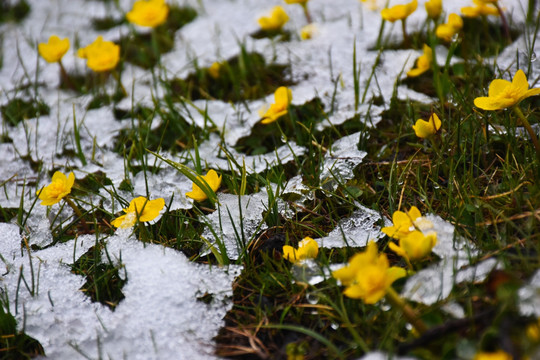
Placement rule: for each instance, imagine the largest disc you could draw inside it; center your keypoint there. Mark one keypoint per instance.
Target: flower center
(56, 189)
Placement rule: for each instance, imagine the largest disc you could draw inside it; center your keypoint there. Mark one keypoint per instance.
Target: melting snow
(160, 317)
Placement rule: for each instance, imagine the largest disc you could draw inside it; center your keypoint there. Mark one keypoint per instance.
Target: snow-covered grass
(207, 279)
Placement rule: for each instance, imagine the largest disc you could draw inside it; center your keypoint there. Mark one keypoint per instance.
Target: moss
(18, 110)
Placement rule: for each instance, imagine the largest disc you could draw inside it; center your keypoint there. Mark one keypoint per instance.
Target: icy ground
(160, 316)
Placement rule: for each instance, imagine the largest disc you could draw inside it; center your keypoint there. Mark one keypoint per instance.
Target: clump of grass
(484, 38)
(144, 50)
(180, 230)
(15, 344)
(18, 110)
(174, 133)
(277, 35)
(297, 125)
(103, 282)
(11, 11)
(242, 77)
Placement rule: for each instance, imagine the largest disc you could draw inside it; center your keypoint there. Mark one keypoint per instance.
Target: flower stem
(505, 23)
(529, 129)
(77, 212)
(409, 313)
(119, 80)
(405, 35)
(65, 77)
(306, 13)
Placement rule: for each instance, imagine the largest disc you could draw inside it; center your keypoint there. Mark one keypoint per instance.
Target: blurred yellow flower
(308, 31)
(452, 27)
(100, 55)
(275, 21)
(212, 179)
(214, 69)
(140, 209)
(497, 355)
(481, 8)
(403, 223)
(415, 245)
(54, 49)
(307, 249)
(150, 13)
(282, 98)
(423, 63)
(425, 129)
(503, 93)
(301, 2)
(59, 187)
(433, 8)
(399, 12)
(368, 275)
(533, 331)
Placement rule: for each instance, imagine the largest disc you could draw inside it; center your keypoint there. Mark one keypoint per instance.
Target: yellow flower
(100, 55)
(452, 27)
(278, 17)
(150, 13)
(54, 49)
(301, 2)
(482, 8)
(533, 331)
(308, 31)
(399, 12)
(433, 8)
(212, 180)
(423, 63)
(415, 246)
(503, 93)
(371, 4)
(59, 187)
(425, 129)
(368, 275)
(140, 209)
(403, 223)
(497, 355)
(215, 69)
(307, 249)
(282, 98)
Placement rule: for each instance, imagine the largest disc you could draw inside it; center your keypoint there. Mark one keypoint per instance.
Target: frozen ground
(160, 316)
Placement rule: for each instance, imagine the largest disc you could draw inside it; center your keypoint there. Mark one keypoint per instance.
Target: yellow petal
(152, 209)
(289, 253)
(374, 296)
(414, 213)
(531, 92)
(520, 81)
(455, 21)
(397, 250)
(395, 273)
(354, 292)
(423, 129)
(283, 96)
(119, 221)
(489, 103)
(308, 248)
(498, 86)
